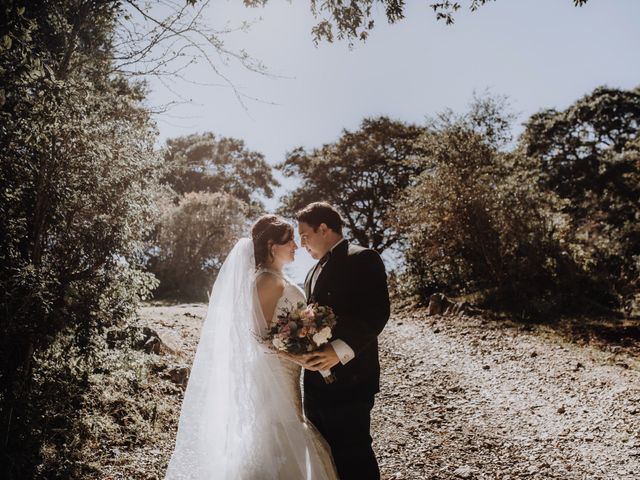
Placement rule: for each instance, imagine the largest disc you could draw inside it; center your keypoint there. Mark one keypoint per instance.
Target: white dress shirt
(344, 351)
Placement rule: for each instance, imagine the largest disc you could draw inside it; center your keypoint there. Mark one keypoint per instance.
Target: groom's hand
(322, 359)
(299, 359)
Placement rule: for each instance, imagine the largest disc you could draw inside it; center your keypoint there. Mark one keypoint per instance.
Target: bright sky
(540, 53)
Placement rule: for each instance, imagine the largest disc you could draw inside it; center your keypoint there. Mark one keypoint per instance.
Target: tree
(588, 156)
(445, 10)
(361, 174)
(211, 180)
(163, 42)
(353, 20)
(194, 238)
(472, 227)
(78, 182)
(577, 151)
(203, 163)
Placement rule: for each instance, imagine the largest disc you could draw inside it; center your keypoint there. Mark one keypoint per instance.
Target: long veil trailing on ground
(238, 420)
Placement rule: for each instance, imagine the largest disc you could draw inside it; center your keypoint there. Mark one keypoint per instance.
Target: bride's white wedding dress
(291, 296)
(241, 417)
(322, 464)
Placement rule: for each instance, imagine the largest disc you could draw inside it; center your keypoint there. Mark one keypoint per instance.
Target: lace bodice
(291, 296)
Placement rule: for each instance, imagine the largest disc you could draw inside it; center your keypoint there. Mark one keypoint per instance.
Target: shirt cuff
(344, 351)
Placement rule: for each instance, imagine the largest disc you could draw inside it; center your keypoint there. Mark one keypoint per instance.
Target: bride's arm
(270, 288)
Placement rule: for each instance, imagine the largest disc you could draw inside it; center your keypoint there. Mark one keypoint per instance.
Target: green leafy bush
(473, 227)
(78, 182)
(588, 155)
(193, 239)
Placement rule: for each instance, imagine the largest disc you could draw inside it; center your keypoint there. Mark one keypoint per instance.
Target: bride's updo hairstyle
(267, 231)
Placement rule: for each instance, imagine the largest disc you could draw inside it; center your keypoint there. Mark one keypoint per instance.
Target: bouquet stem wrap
(328, 376)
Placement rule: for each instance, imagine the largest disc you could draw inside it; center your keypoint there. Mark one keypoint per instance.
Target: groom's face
(313, 241)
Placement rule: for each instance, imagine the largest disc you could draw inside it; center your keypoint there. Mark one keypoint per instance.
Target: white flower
(322, 336)
(279, 344)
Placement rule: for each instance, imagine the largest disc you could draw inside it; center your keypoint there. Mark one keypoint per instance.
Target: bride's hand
(298, 359)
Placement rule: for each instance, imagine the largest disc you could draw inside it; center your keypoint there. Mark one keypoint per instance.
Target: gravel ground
(470, 398)
(462, 398)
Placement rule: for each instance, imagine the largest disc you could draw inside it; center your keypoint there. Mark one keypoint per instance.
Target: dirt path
(470, 398)
(466, 398)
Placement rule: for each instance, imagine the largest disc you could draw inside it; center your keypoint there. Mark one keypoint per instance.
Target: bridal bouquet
(303, 329)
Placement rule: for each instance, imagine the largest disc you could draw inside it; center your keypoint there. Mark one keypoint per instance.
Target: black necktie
(316, 272)
(325, 258)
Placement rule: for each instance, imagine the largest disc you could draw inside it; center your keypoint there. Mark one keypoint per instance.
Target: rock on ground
(486, 400)
(461, 398)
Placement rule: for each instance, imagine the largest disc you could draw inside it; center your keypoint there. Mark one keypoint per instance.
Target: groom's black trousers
(345, 426)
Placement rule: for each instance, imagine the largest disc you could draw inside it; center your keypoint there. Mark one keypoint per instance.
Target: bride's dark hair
(267, 231)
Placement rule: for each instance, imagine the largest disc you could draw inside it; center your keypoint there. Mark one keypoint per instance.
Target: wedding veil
(238, 420)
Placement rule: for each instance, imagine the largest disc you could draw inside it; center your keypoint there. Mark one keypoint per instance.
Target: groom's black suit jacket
(353, 283)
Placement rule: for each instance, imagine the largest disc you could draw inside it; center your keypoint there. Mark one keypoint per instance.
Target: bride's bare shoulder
(269, 284)
(270, 288)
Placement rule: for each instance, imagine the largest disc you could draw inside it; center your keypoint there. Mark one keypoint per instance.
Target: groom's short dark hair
(321, 212)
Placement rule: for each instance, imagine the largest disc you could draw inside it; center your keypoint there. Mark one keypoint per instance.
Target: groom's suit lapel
(307, 282)
(338, 253)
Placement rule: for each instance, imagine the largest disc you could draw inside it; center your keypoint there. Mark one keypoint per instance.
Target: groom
(352, 281)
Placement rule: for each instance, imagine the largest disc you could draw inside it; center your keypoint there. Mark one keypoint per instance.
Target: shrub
(78, 181)
(193, 240)
(589, 156)
(471, 226)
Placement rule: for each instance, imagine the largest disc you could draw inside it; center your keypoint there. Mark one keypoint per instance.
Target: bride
(242, 414)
